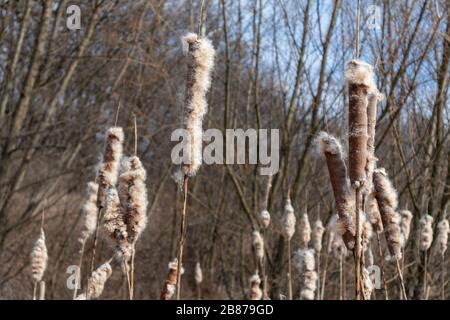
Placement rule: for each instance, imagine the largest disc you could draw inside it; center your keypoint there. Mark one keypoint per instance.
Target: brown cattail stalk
(106, 177)
(200, 62)
(331, 148)
(288, 230)
(171, 280)
(90, 212)
(442, 240)
(359, 76)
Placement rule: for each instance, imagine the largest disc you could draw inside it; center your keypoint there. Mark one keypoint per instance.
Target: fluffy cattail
(359, 76)
(264, 218)
(98, 280)
(133, 197)
(331, 148)
(386, 197)
(171, 280)
(366, 235)
(373, 213)
(200, 54)
(109, 168)
(309, 285)
(335, 243)
(198, 273)
(258, 245)
(317, 235)
(39, 258)
(304, 260)
(288, 220)
(373, 100)
(442, 237)
(405, 226)
(114, 224)
(255, 289)
(304, 230)
(305, 263)
(426, 232)
(90, 212)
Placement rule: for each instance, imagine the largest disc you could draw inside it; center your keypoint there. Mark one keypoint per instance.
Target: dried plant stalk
(442, 237)
(288, 230)
(331, 148)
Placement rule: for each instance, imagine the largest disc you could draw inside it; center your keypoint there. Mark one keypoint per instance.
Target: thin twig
(182, 237)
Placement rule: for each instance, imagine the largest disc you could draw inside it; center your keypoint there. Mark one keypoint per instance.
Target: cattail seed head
(373, 100)
(317, 235)
(114, 224)
(264, 218)
(304, 230)
(442, 237)
(109, 168)
(332, 150)
(200, 54)
(405, 225)
(309, 285)
(426, 232)
(368, 284)
(386, 197)
(288, 220)
(304, 260)
(258, 245)
(39, 258)
(255, 289)
(373, 213)
(98, 280)
(90, 212)
(133, 197)
(359, 76)
(171, 280)
(366, 235)
(198, 273)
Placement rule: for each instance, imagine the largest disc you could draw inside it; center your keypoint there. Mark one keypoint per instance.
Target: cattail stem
(42, 290)
(443, 276)
(383, 276)
(80, 264)
(400, 276)
(318, 275)
(34, 290)
(324, 277)
(117, 115)
(289, 270)
(128, 278)
(132, 274)
(341, 279)
(357, 246)
(425, 278)
(263, 267)
(182, 236)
